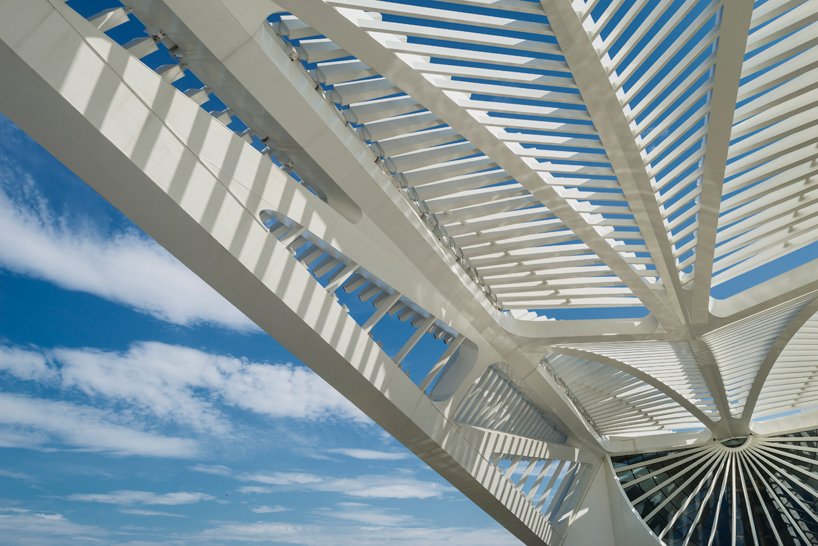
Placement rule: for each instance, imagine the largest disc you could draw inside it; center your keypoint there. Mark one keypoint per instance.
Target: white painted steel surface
(507, 177)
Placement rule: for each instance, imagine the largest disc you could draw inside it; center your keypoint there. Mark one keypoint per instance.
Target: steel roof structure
(600, 216)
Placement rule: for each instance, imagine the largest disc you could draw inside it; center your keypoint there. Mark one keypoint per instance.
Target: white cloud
(15, 475)
(383, 487)
(24, 439)
(26, 365)
(353, 535)
(255, 490)
(252, 532)
(33, 423)
(396, 486)
(139, 498)
(23, 527)
(282, 478)
(214, 469)
(183, 385)
(264, 509)
(125, 268)
(369, 454)
(366, 514)
(151, 513)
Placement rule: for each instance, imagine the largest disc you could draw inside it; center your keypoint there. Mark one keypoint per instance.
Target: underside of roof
(604, 213)
(606, 155)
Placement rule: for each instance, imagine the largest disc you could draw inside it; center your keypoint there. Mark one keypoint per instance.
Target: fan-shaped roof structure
(601, 214)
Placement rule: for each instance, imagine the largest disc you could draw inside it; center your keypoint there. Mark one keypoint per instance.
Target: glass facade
(755, 490)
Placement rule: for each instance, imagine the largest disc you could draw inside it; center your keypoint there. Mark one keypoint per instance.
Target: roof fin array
(503, 67)
(770, 205)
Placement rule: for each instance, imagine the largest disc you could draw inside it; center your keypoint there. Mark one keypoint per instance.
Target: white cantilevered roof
(486, 165)
(573, 155)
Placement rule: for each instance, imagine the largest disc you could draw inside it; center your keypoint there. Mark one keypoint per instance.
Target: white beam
(228, 41)
(617, 136)
(785, 287)
(734, 28)
(72, 89)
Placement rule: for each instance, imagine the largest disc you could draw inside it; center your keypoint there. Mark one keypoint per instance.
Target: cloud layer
(125, 268)
(39, 423)
(24, 527)
(393, 486)
(368, 454)
(373, 534)
(141, 498)
(183, 385)
(154, 383)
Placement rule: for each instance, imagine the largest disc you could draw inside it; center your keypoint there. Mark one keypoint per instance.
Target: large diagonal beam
(232, 48)
(614, 129)
(735, 26)
(76, 92)
(327, 20)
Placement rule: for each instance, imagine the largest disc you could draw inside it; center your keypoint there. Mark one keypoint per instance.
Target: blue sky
(138, 407)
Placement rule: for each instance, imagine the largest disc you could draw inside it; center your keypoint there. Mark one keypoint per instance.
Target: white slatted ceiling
(770, 203)
(511, 78)
(740, 348)
(618, 403)
(660, 57)
(793, 380)
(672, 363)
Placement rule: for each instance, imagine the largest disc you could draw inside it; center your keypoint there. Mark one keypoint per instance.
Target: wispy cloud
(282, 478)
(15, 475)
(395, 486)
(213, 469)
(25, 364)
(255, 490)
(183, 385)
(139, 498)
(39, 423)
(383, 487)
(369, 454)
(151, 513)
(264, 509)
(364, 513)
(24, 527)
(359, 535)
(123, 267)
